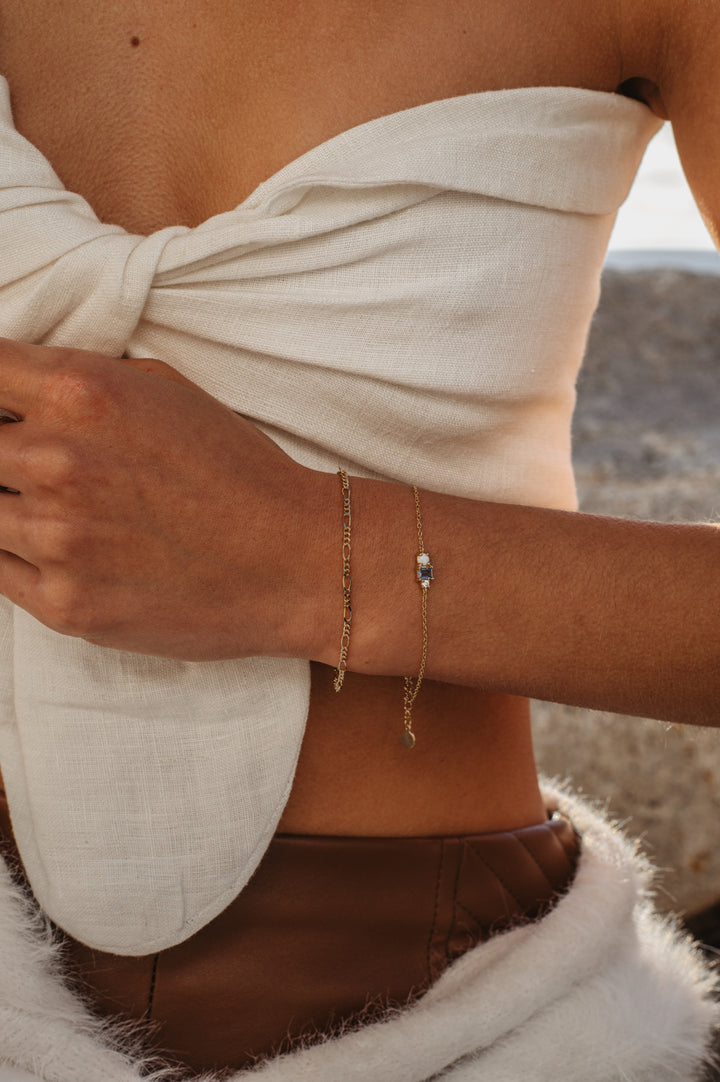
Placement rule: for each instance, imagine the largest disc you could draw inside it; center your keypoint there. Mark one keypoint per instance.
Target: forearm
(567, 607)
(234, 550)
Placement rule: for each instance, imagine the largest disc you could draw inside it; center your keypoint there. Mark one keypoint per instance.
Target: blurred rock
(647, 445)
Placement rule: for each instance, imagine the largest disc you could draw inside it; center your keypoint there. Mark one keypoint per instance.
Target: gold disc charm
(408, 738)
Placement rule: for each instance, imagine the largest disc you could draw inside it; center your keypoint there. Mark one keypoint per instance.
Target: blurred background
(647, 445)
(659, 224)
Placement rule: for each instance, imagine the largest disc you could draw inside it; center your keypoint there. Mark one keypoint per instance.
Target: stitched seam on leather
(539, 866)
(151, 992)
(515, 917)
(435, 909)
(454, 901)
(499, 878)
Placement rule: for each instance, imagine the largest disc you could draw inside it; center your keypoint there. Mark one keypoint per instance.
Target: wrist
(385, 628)
(383, 543)
(309, 596)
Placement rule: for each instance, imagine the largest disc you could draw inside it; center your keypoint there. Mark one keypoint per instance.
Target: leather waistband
(329, 932)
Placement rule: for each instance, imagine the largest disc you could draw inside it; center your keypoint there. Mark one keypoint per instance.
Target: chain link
(346, 582)
(424, 574)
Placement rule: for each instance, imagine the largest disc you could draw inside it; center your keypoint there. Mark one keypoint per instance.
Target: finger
(30, 374)
(34, 462)
(19, 460)
(21, 539)
(19, 582)
(23, 373)
(6, 419)
(27, 373)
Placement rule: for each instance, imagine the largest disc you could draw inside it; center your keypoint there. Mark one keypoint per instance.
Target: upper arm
(689, 84)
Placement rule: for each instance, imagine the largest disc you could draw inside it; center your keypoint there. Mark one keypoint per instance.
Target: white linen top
(409, 299)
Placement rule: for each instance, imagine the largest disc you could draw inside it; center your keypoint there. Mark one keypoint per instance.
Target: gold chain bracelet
(346, 582)
(424, 576)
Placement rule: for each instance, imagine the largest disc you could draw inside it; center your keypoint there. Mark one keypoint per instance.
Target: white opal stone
(423, 558)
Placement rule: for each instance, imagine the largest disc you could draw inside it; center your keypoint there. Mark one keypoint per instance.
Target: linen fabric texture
(409, 300)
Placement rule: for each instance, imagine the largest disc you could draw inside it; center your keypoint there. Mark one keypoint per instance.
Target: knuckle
(66, 609)
(77, 389)
(54, 463)
(48, 464)
(60, 540)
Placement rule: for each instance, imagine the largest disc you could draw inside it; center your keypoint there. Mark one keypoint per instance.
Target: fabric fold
(409, 300)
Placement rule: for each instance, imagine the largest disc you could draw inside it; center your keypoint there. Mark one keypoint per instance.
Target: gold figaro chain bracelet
(424, 576)
(346, 582)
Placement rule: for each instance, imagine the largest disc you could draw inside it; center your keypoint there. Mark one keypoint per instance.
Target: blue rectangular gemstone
(425, 573)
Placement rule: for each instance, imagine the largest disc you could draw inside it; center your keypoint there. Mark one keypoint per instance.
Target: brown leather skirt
(329, 932)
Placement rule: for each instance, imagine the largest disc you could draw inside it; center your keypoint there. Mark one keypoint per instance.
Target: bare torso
(169, 111)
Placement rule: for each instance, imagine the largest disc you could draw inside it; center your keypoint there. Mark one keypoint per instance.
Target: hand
(147, 516)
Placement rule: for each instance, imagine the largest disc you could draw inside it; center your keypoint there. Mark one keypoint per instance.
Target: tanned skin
(166, 112)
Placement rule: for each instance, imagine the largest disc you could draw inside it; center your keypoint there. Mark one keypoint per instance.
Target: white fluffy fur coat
(600, 990)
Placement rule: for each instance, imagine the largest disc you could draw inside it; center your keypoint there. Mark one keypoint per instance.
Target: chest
(174, 110)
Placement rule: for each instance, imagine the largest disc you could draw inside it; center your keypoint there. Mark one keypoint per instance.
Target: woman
(352, 294)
